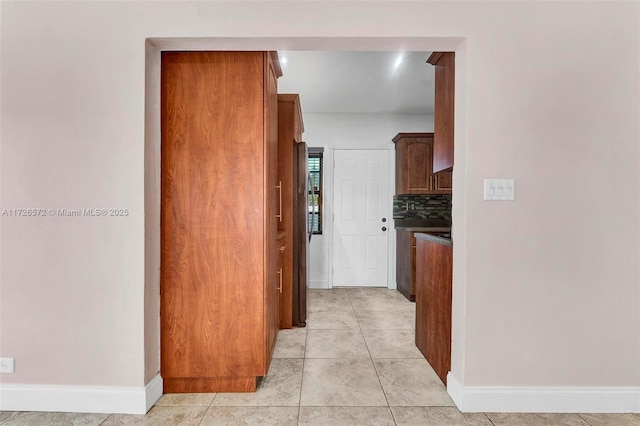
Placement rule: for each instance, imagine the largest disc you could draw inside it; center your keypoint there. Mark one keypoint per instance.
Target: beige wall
(546, 288)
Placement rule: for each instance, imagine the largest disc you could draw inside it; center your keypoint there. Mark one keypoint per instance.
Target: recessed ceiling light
(398, 61)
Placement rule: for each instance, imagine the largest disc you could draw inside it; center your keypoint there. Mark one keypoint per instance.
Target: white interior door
(360, 202)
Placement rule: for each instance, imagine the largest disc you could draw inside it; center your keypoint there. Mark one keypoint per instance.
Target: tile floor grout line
(205, 413)
(488, 418)
(304, 357)
(584, 420)
(393, 418)
(376, 371)
(104, 422)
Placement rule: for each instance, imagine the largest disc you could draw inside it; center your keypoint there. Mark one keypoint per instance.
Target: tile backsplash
(422, 207)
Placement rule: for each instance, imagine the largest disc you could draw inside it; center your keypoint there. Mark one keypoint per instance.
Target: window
(314, 162)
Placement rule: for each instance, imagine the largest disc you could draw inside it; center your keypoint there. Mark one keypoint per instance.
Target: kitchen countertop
(434, 238)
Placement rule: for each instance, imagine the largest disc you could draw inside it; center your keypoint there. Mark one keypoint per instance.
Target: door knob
(384, 228)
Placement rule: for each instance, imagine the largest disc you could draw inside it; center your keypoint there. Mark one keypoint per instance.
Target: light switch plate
(499, 189)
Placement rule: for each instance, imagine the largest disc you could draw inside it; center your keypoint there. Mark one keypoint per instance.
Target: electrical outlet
(7, 365)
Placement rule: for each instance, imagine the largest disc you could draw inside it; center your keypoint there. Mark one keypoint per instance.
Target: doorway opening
(154, 47)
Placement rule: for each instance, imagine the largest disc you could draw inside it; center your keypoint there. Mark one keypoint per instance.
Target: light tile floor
(354, 364)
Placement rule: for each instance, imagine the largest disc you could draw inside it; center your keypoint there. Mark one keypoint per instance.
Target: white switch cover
(499, 189)
(6, 365)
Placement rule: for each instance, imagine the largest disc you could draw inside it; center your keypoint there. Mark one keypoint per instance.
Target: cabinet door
(443, 181)
(300, 237)
(289, 131)
(272, 292)
(443, 109)
(418, 170)
(404, 266)
(414, 157)
(281, 276)
(433, 305)
(212, 309)
(413, 266)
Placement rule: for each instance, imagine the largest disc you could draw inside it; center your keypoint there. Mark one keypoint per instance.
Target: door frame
(151, 179)
(329, 219)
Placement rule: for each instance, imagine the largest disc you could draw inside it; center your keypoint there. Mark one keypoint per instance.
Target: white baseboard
(319, 284)
(80, 399)
(474, 399)
(153, 392)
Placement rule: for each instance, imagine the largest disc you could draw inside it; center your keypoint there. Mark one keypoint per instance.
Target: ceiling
(359, 82)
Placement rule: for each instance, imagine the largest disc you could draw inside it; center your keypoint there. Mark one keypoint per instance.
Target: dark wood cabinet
(283, 253)
(219, 288)
(414, 166)
(300, 233)
(290, 129)
(406, 263)
(444, 63)
(442, 182)
(434, 262)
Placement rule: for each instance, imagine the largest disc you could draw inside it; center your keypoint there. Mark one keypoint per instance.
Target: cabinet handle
(431, 185)
(280, 275)
(279, 215)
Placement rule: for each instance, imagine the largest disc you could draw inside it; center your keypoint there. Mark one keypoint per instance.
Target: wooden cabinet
(442, 182)
(444, 63)
(300, 233)
(282, 262)
(406, 263)
(414, 166)
(219, 286)
(290, 129)
(434, 262)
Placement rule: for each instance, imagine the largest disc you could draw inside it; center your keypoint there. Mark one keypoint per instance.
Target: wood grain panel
(412, 289)
(300, 224)
(271, 293)
(288, 127)
(403, 264)
(414, 154)
(212, 216)
(433, 304)
(418, 171)
(444, 181)
(443, 126)
(209, 384)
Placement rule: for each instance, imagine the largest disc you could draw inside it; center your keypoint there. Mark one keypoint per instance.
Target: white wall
(353, 131)
(546, 288)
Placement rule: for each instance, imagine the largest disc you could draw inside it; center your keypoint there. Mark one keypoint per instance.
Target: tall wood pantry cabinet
(219, 283)
(290, 129)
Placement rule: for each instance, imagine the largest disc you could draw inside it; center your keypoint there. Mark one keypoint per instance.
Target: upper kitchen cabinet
(414, 166)
(443, 109)
(219, 291)
(413, 170)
